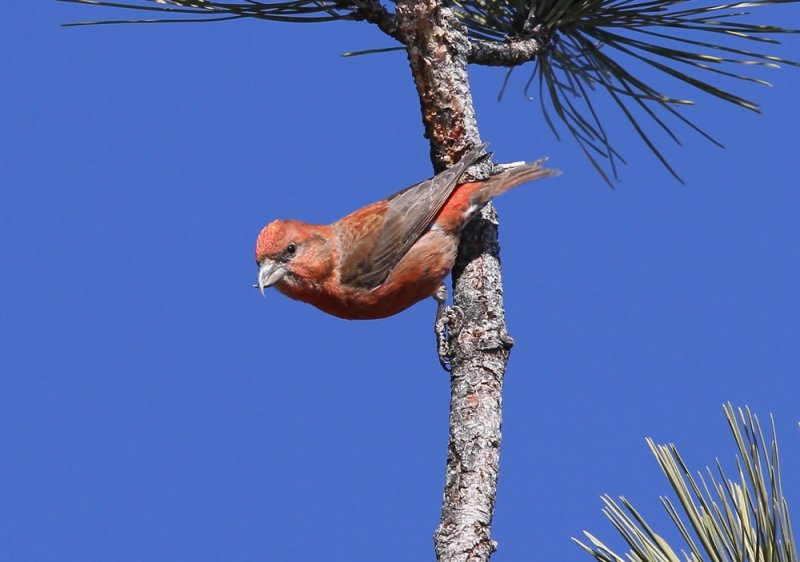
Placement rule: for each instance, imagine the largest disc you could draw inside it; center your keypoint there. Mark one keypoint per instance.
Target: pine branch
(513, 52)
(585, 47)
(185, 11)
(581, 48)
(745, 518)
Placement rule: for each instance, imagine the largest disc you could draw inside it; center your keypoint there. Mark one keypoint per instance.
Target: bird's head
(289, 253)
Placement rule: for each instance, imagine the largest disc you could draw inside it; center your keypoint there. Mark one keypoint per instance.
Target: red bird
(382, 258)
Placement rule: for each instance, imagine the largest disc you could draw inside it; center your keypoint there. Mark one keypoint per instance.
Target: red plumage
(385, 257)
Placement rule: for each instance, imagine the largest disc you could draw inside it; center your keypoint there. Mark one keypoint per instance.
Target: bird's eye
(290, 250)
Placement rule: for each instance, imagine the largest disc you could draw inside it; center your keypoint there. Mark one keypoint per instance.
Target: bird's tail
(511, 177)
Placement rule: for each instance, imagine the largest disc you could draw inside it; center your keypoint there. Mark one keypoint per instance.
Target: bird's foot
(448, 323)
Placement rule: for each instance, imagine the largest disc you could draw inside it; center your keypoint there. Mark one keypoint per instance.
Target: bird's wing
(388, 229)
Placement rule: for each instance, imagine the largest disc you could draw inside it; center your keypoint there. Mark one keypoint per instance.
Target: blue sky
(154, 407)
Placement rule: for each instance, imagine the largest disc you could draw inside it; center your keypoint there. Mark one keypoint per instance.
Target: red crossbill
(387, 256)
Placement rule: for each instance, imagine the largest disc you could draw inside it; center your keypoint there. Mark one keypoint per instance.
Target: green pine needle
(602, 45)
(590, 46)
(297, 11)
(721, 519)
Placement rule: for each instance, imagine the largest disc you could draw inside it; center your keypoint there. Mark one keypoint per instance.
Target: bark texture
(479, 354)
(438, 52)
(510, 53)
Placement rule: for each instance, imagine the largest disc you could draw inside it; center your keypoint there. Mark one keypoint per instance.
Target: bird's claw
(442, 345)
(448, 323)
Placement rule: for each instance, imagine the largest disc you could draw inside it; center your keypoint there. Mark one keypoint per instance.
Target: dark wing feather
(409, 214)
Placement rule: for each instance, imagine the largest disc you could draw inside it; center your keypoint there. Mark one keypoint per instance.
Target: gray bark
(511, 53)
(438, 52)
